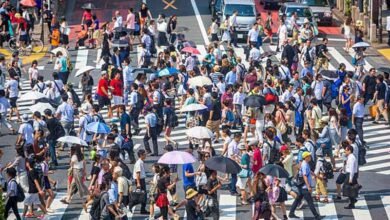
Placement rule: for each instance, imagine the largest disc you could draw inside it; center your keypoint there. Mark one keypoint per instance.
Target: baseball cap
(306, 154)
(283, 148)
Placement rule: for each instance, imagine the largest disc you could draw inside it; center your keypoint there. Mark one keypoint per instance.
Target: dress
(106, 46)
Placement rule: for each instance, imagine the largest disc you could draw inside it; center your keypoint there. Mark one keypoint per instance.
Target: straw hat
(190, 193)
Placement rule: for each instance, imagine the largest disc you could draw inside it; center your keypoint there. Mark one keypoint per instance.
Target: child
(12, 192)
(153, 189)
(321, 188)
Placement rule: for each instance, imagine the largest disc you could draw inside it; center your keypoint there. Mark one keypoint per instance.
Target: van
(246, 16)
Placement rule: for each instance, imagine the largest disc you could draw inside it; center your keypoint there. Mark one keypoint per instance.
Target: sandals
(325, 201)
(317, 198)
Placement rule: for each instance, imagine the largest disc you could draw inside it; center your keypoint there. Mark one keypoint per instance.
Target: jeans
(304, 194)
(153, 135)
(63, 76)
(126, 93)
(359, 128)
(238, 115)
(134, 114)
(233, 183)
(52, 151)
(12, 203)
(367, 97)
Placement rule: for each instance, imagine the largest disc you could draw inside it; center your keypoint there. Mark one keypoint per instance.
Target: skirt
(162, 39)
(241, 182)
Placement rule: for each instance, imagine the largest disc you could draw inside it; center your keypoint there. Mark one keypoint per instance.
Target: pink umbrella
(190, 50)
(28, 3)
(176, 157)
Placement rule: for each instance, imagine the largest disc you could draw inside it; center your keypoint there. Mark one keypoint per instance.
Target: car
(303, 11)
(246, 15)
(322, 10)
(273, 3)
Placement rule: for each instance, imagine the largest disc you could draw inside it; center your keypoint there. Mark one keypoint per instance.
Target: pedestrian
(116, 88)
(358, 117)
(65, 113)
(86, 84)
(153, 189)
(320, 175)
(102, 93)
(139, 176)
(4, 105)
(215, 116)
(244, 177)
(347, 28)
(47, 182)
(351, 176)
(379, 97)
(12, 91)
(268, 28)
(213, 185)
(55, 40)
(12, 194)
(233, 153)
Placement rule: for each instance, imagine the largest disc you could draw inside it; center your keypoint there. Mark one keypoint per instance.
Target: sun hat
(306, 154)
(190, 193)
(241, 146)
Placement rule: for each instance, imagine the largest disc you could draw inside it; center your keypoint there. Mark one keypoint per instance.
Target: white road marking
(200, 22)
(361, 211)
(81, 59)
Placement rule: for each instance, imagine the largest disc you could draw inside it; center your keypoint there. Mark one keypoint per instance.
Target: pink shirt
(257, 157)
(130, 21)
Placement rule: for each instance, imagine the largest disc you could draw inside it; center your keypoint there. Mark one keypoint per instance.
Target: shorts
(328, 152)
(12, 101)
(46, 182)
(241, 182)
(103, 101)
(23, 38)
(88, 23)
(142, 21)
(118, 100)
(341, 178)
(32, 199)
(213, 125)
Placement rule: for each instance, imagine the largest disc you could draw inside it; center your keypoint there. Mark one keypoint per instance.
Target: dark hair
(226, 130)
(141, 152)
(306, 132)
(300, 139)
(349, 147)
(20, 152)
(76, 150)
(11, 172)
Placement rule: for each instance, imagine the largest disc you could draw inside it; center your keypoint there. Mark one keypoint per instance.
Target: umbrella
(143, 70)
(41, 107)
(72, 140)
(384, 69)
(275, 170)
(223, 164)
(28, 3)
(189, 44)
(191, 50)
(33, 95)
(173, 70)
(176, 157)
(361, 44)
(267, 54)
(88, 6)
(200, 132)
(60, 49)
(254, 101)
(328, 74)
(98, 128)
(84, 69)
(193, 107)
(200, 81)
(120, 43)
(164, 72)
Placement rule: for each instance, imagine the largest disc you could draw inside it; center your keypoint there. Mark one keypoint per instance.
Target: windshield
(315, 2)
(301, 12)
(243, 10)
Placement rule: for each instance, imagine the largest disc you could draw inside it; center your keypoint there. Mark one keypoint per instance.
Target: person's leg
(143, 187)
(8, 206)
(359, 128)
(233, 183)
(295, 204)
(154, 141)
(309, 200)
(52, 151)
(146, 142)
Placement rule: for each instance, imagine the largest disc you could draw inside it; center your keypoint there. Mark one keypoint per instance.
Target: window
(243, 10)
(315, 2)
(301, 12)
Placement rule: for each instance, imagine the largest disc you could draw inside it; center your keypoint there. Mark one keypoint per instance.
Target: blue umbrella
(164, 72)
(98, 128)
(173, 70)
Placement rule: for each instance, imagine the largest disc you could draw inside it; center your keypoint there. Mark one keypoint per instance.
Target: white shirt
(4, 105)
(12, 87)
(57, 85)
(162, 26)
(286, 96)
(49, 93)
(76, 163)
(233, 20)
(221, 87)
(33, 72)
(66, 112)
(118, 22)
(139, 167)
(26, 130)
(254, 54)
(284, 72)
(299, 102)
(358, 110)
(238, 98)
(133, 98)
(388, 23)
(317, 88)
(84, 120)
(128, 76)
(351, 166)
(232, 149)
(253, 34)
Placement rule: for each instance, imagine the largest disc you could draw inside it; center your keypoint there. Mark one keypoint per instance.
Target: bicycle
(36, 46)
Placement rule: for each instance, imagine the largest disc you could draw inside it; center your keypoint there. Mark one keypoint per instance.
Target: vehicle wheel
(36, 46)
(12, 44)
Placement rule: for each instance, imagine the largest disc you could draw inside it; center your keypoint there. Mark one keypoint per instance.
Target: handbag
(281, 126)
(298, 180)
(244, 173)
(201, 180)
(137, 196)
(350, 190)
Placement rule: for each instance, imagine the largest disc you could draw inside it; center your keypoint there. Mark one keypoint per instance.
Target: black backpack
(59, 131)
(175, 120)
(328, 170)
(307, 55)
(362, 153)
(140, 101)
(20, 193)
(96, 211)
(75, 98)
(125, 171)
(274, 155)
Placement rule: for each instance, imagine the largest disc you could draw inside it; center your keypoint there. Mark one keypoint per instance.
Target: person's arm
(150, 14)
(38, 187)
(188, 174)
(218, 186)
(211, 115)
(112, 210)
(138, 179)
(306, 182)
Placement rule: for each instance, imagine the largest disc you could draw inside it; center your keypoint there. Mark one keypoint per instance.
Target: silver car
(303, 11)
(322, 10)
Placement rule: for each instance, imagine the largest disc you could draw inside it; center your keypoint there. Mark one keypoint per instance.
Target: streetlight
(42, 24)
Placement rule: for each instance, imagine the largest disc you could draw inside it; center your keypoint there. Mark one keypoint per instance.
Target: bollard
(366, 24)
(373, 33)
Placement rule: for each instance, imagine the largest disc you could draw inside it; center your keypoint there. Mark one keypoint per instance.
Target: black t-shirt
(370, 82)
(163, 183)
(216, 108)
(191, 210)
(211, 184)
(32, 176)
(381, 89)
(51, 126)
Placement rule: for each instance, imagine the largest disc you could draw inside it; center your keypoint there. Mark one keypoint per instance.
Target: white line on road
(82, 58)
(328, 210)
(200, 22)
(227, 204)
(386, 204)
(361, 211)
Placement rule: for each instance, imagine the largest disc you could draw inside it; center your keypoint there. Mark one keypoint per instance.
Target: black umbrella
(328, 74)
(384, 69)
(223, 164)
(254, 101)
(143, 71)
(275, 170)
(120, 43)
(88, 6)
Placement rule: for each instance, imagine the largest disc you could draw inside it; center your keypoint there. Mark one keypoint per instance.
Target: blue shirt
(305, 171)
(133, 98)
(66, 111)
(231, 78)
(188, 181)
(305, 71)
(113, 193)
(151, 119)
(300, 152)
(125, 119)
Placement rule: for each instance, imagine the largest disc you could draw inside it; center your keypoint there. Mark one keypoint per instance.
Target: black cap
(168, 147)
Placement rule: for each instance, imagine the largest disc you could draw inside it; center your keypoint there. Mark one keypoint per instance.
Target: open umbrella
(98, 128)
(361, 44)
(173, 70)
(164, 72)
(254, 101)
(328, 74)
(120, 43)
(193, 107)
(60, 49)
(191, 50)
(200, 132)
(267, 54)
(84, 69)
(88, 6)
(121, 29)
(72, 140)
(223, 164)
(200, 81)
(384, 69)
(176, 157)
(28, 3)
(275, 170)
(41, 107)
(33, 95)
(143, 70)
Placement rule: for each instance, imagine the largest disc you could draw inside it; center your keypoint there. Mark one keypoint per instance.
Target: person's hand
(309, 189)
(42, 193)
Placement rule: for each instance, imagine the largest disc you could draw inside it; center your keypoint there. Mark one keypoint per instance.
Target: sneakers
(292, 215)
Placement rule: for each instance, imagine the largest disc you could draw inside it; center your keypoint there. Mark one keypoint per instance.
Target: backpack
(175, 120)
(298, 119)
(362, 153)
(243, 71)
(96, 211)
(271, 97)
(328, 170)
(334, 89)
(59, 131)
(126, 171)
(140, 101)
(312, 163)
(41, 89)
(274, 153)
(307, 55)
(20, 193)
(75, 98)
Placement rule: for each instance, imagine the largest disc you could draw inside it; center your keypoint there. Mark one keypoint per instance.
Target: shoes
(154, 155)
(301, 205)
(375, 122)
(49, 210)
(144, 212)
(319, 217)
(292, 216)
(234, 193)
(350, 206)
(338, 198)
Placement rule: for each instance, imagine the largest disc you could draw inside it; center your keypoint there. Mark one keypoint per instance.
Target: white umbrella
(84, 69)
(200, 81)
(200, 132)
(33, 95)
(72, 140)
(361, 44)
(41, 107)
(193, 107)
(60, 49)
